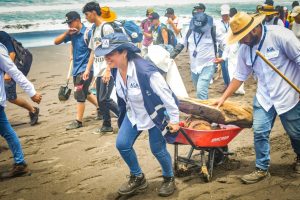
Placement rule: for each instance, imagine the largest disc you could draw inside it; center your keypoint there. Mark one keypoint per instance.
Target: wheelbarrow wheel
(219, 156)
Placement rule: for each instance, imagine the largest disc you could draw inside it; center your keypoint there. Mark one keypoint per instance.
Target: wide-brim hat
(206, 20)
(107, 14)
(241, 24)
(267, 10)
(115, 41)
(296, 11)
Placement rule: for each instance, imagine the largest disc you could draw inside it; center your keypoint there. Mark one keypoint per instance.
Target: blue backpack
(133, 31)
(129, 28)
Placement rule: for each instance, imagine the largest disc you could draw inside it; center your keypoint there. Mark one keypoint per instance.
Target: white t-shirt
(280, 22)
(178, 23)
(99, 63)
(296, 30)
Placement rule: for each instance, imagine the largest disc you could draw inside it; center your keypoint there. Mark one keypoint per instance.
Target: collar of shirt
(82, 30)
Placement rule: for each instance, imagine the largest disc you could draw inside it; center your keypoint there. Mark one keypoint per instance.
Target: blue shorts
(10, 90)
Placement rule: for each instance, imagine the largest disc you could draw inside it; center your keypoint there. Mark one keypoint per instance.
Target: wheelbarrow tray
(208, 138)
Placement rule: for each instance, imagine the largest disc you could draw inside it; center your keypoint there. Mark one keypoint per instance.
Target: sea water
(38, 22)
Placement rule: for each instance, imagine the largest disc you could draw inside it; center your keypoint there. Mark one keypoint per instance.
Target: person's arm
(11, 69)
(175, 28)
(160, 87)
(233, 86)
(241, 74)
(65, 37)
(12, 56)
(164, 34)
(148, 35)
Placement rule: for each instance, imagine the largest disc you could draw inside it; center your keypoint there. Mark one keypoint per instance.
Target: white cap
(225, 9)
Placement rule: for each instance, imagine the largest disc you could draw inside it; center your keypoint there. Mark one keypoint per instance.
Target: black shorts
(81, 87)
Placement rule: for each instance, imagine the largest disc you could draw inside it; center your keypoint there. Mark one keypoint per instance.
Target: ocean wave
(128, 3)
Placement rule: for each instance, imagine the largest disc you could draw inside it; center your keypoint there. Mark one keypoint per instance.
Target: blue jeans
(201, 81)
(263, 122)
(126, 139)
(11, 137)
(225, 73)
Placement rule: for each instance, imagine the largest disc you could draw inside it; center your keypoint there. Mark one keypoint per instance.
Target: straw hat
(296, 11)
(107, 14)
(241, 24)
(267, 10)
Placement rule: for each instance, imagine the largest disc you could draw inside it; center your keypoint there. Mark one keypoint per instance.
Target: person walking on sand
(143, 98)
(101, 17)
(201, 41)
(274, 95)
(146, 28)
(8, 67)
(10, 84)
(174, 23)
(79, 35)
(223, 26)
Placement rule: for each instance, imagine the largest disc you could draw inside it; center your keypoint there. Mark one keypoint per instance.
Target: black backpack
(23, 59)
(172, 40)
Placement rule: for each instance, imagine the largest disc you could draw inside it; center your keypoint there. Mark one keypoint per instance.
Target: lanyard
(259, 47)
(226, 27)
(196, 43)
(125, 91)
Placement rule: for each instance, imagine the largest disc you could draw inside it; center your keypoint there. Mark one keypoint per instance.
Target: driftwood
(229, 112)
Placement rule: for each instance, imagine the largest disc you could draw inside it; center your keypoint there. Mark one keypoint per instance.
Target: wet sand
(80, 165)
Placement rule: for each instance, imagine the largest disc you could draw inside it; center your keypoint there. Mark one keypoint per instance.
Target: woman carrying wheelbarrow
(143, 98)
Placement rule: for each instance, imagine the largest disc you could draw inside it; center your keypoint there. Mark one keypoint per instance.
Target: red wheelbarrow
(211, 142)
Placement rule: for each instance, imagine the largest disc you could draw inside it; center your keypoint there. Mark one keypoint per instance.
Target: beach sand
(80, 165)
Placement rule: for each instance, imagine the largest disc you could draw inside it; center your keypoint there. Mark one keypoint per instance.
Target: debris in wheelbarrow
(197, 124)
(229, 113)
(210, 144)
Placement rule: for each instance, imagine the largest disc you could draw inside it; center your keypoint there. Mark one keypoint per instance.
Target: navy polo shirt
(6, 41)
(81, 52)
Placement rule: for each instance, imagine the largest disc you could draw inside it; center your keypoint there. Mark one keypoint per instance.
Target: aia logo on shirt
(134, 85)
(270, 49)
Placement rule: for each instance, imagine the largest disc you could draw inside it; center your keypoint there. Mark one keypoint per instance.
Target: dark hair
(92, 6)
(280, 12)
(295, 3)
(232, 12)
(130, 54)
(269, 2)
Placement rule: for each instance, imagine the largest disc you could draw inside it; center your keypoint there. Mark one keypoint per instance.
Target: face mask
(197, 26)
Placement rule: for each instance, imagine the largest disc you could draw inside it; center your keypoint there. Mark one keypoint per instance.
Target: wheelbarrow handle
(185, 135)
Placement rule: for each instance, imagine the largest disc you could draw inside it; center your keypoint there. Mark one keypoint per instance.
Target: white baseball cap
(225, 9)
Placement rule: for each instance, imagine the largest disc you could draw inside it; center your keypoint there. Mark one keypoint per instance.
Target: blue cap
(114, 41)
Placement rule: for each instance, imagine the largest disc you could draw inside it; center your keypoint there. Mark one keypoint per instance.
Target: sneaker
(256, 176)
(74, 125)
(135, 183)
(168, 187)
(99, 116)
(34, 116)
(16, 171)
(297, 165)
(106, 129)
